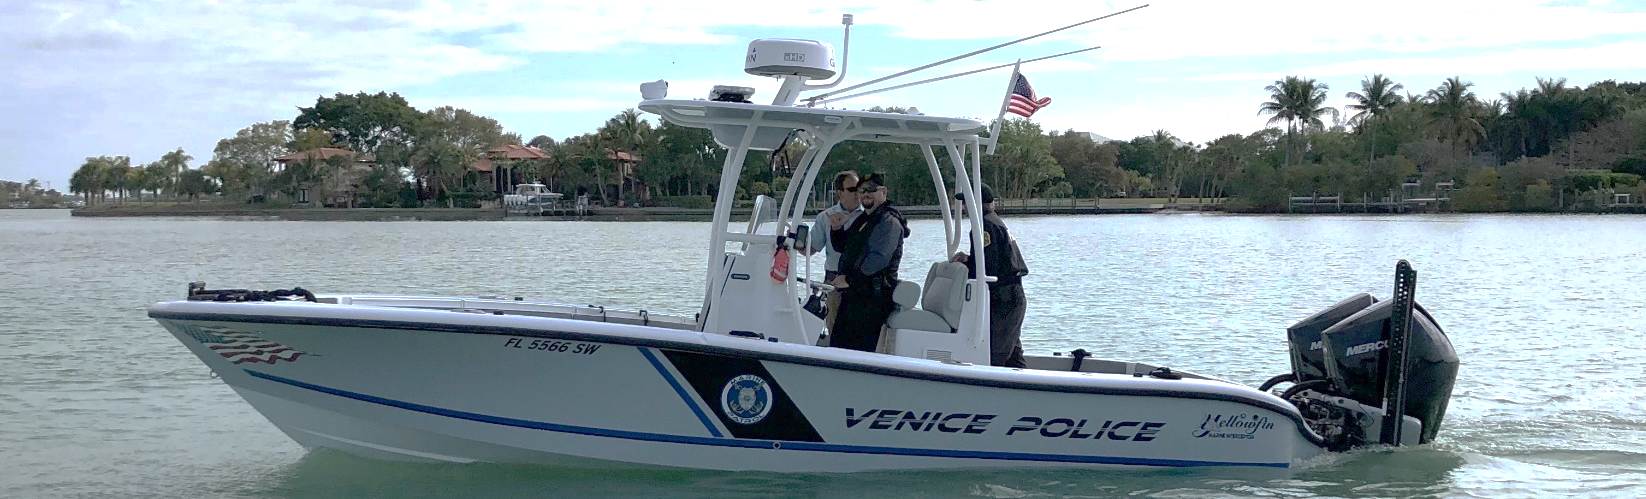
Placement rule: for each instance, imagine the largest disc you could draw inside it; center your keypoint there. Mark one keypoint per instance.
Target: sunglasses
(868, 189)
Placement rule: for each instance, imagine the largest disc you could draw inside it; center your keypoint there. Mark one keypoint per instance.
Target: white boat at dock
(533, 199)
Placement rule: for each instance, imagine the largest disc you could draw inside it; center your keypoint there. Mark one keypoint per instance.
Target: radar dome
(790, 57)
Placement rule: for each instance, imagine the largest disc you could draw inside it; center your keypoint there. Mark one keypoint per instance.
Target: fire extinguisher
(780, 264)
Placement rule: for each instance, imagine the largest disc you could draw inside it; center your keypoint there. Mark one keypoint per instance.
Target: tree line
(1551, 147)
(29, 194)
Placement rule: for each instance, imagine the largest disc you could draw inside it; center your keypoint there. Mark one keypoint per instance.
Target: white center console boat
(743, 386)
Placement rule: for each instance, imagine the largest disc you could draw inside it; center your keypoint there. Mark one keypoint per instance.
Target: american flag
(1023, 100)
(241, 347)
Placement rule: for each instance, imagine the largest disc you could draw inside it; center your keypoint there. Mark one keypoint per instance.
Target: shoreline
(651, 214)
(671, 214)
(303, 214)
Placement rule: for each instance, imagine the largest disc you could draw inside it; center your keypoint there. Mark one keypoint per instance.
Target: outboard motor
(1357, 359)
(1347, 364)
(1305, 341)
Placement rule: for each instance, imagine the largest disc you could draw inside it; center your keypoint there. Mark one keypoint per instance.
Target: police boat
(743, 385)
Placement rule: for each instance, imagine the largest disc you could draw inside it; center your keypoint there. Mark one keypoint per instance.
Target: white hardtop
(771, 308)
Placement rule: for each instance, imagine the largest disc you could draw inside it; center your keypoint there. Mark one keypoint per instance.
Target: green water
(1547, 313)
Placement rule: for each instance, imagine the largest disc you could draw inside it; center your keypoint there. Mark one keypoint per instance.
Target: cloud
(1222, 29)
(568, 26)
(105, 35)
(141, 77)
(332, 45)
(523, 104)
(382, 44)
(590, 95)
(1196, 119)
(1612, 56)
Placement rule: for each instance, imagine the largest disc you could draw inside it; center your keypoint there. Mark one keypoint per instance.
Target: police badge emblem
(746, 399)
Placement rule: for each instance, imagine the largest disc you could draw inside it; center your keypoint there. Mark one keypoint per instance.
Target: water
(1547, 313)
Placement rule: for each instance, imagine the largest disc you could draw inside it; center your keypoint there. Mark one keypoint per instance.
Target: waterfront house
(508, 158)
(329, 186)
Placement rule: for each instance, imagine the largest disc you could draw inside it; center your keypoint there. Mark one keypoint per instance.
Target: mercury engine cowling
(1304, 337)
(1356, 355)
(1342, 358)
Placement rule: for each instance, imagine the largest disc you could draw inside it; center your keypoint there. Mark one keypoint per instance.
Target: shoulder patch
(986, 239)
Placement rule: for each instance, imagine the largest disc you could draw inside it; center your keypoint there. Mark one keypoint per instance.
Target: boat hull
(442, 386)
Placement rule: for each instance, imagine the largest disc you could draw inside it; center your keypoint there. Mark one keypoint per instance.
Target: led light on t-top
(742, 385)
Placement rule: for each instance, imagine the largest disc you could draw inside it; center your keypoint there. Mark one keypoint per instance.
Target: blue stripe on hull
(750, 444)
(682, 391)
(1254, 399)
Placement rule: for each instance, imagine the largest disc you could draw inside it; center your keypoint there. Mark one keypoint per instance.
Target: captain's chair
(940, 306)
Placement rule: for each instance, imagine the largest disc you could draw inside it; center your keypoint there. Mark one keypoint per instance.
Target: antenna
(956, 75)
(793, 81)
(845, 56)
(812, 101)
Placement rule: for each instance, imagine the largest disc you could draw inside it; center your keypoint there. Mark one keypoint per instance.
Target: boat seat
(939, 306)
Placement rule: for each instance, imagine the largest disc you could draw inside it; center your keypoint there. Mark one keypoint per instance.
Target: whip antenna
(956, 75)
(812, 101)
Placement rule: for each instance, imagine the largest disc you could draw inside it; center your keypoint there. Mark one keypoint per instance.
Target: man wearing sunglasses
(844, 211)
(871, 248)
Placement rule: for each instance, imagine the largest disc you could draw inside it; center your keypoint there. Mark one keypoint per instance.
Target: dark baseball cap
(871, 182)
(988, 194)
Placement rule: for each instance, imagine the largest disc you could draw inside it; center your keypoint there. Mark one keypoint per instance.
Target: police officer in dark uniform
(871, 248)
(1007, 303)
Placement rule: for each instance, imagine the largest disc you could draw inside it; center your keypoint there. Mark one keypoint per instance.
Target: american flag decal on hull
(241, 347)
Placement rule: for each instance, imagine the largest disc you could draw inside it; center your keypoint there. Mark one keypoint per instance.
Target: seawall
(308, 214)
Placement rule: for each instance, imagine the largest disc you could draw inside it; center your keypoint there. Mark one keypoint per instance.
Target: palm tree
(1455, 111)
(1170, 156)
(108, 173)
(1553, 111)
(1552, 87)
(1517, 109)
(1587, 108)
(1296, 100)
(157, 176)
(84, 180)
(91, 178)
(1376, 97)
(442, 162)
(1311, 104)
(1281, 105)
(171, 166)
(118, 176)
(625, 132)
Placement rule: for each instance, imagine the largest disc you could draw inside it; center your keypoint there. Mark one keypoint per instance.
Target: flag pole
(1005, 102)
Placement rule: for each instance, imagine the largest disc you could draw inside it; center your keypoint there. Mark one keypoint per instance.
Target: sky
(139, 78)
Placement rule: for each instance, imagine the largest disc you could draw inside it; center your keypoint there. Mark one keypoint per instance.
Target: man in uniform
(845, 189)
(871, 248)
(1007, 303)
